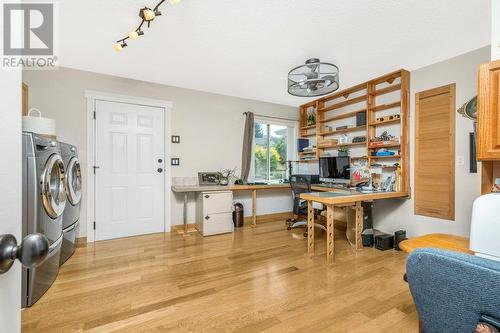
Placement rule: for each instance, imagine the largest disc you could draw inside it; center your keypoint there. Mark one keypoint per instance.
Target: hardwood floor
(257, 280)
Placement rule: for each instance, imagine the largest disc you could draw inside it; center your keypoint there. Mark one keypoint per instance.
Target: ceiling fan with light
(314, 78)
(147, 15)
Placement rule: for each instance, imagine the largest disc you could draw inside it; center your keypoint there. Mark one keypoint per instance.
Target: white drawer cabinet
(214, 212)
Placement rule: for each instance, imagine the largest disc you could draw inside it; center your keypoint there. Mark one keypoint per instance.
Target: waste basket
(238, 216)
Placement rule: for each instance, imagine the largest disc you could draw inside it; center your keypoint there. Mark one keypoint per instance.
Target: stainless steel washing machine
(73, 187)
(44, 200)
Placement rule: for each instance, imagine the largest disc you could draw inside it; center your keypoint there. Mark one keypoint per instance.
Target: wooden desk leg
(329, 235)
(359, 225)
(310, 229)
(254, 208)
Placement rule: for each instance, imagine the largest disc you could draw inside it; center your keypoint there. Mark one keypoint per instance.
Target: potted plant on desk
(226, 175)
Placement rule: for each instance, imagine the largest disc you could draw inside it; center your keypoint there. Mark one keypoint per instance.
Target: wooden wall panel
(435, 153)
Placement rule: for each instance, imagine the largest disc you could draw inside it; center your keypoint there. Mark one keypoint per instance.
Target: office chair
(301, 184)
(453, 292)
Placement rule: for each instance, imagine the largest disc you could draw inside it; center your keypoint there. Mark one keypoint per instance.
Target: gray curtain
(246, 156)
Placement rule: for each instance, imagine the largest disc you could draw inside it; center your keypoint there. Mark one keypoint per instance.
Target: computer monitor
(335, 169)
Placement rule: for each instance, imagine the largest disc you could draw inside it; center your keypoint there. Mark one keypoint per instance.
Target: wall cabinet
(488, 138)
(214, 212)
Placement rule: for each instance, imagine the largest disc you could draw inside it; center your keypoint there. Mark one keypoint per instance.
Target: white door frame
(93, 96)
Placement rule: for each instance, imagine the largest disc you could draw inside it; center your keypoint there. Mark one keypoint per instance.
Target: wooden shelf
(347, 130)
(387, 145)
(344, 93)
(308, 127)
(344, 145)
(390, 156)
(383, 91)
(345, 103)
(382, 107)
(310, 160)
(342, 116)
(386, 122)
(384, 166)
(307, 135)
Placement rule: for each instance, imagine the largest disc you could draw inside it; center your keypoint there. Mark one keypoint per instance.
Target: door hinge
(94, 114)
(94, 225)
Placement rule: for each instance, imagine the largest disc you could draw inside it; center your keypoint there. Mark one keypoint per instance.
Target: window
(274, 145)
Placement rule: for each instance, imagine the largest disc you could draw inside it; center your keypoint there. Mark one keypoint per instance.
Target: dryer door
(53, 196)
(73, 182)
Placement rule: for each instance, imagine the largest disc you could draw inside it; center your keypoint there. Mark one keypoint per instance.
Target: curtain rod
(264, 116)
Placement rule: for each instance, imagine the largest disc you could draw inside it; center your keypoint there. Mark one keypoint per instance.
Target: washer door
(73, 182)
(53, 196)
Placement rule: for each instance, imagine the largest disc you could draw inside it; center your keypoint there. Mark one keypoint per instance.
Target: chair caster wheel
(288, 228)
(305, 234)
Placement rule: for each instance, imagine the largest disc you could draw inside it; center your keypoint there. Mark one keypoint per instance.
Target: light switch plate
(176, 139)
(460, 160)
(175, 162)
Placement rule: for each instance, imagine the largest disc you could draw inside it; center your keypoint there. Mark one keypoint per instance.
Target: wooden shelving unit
(377, 98)
(386, 122)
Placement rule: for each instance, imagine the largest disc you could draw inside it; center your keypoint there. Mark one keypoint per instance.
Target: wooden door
(435, 153)
(488, 139)
(129, 197)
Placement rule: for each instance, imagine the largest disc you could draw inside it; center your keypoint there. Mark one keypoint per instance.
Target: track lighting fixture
(147, 15)
(133, 35)
(120, 45)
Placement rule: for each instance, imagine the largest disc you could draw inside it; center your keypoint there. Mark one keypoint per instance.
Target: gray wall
(210, 126)
(393, 215)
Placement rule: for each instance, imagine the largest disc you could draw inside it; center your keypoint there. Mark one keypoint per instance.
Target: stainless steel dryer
(73, 186)
(43, 205)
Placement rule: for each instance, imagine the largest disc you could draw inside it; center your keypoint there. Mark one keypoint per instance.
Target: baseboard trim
(269, 217)
(180, 227)
(81, 242)
(248, 220)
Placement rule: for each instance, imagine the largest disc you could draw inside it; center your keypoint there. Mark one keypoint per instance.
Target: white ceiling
(245, 48)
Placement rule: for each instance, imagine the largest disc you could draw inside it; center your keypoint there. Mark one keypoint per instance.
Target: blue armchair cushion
(452, 291)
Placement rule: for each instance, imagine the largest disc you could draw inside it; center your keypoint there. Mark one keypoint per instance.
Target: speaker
(384, 242)
(399, 236)
(301, 144)
(361, 118)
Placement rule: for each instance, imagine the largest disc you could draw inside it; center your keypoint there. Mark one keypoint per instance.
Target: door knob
(160, 170)
(31, 252)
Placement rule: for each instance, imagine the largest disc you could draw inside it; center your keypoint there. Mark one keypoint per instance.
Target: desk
(437, 241)
(337, 197)
(254, 188)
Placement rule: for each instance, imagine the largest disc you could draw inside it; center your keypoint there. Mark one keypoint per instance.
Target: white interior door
(10, 194)
(129, 182)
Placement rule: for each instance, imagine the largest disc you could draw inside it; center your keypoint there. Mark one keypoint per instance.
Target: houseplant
(226, 175)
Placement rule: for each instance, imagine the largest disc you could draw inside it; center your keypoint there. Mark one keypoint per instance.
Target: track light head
(157, 12)
(133, 34)
(118, 47)
(147, 14)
